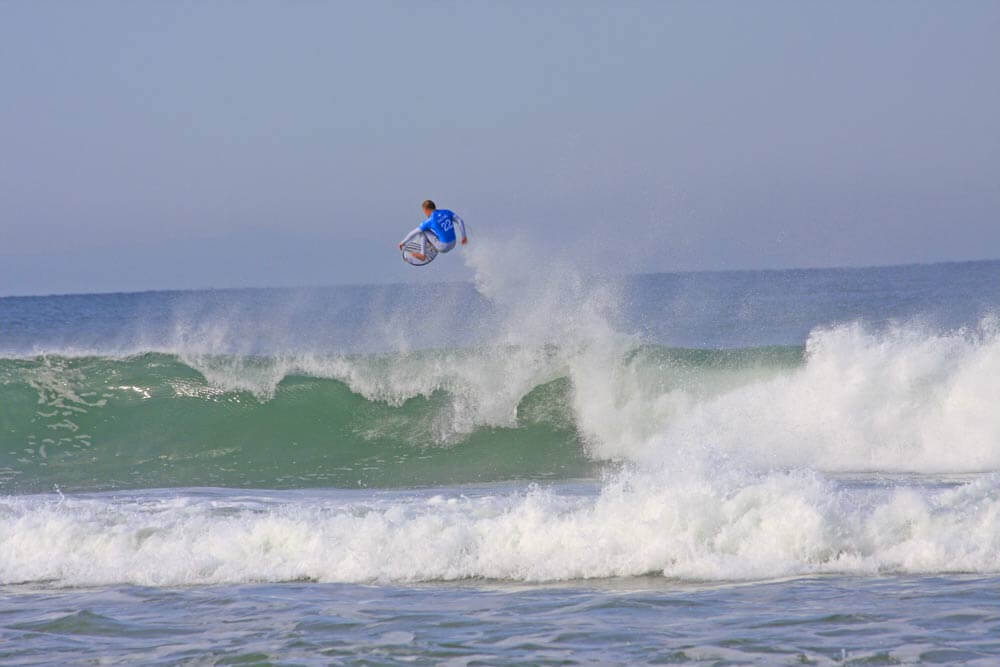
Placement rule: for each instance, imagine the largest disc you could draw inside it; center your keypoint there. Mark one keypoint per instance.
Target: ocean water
(542, 466)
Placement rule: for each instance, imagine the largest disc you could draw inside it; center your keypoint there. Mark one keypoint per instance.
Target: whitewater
(644, 442)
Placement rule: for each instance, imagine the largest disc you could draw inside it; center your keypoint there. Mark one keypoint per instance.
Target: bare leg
(423, 248)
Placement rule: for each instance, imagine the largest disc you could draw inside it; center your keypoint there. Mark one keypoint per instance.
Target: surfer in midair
(438, 229)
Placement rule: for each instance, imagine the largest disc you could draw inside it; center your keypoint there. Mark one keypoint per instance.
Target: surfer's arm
(461, 226)
(418, 229)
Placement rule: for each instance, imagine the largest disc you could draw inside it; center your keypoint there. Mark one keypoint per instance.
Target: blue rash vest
(442, 223)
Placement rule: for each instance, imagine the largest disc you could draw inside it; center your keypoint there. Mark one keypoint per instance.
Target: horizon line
(169, 290)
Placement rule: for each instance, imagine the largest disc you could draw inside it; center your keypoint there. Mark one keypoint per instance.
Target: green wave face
(97, 423)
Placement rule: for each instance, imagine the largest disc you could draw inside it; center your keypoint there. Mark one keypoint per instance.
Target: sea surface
(540, 467)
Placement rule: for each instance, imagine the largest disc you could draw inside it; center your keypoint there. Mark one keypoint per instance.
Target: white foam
(721, 527)
(898, 400)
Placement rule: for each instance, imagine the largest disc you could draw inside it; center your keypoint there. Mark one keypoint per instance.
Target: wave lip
(776, 525)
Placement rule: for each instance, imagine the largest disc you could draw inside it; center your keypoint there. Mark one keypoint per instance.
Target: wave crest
(853, 399)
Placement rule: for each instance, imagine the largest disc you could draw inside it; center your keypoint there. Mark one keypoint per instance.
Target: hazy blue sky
(192, 144)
